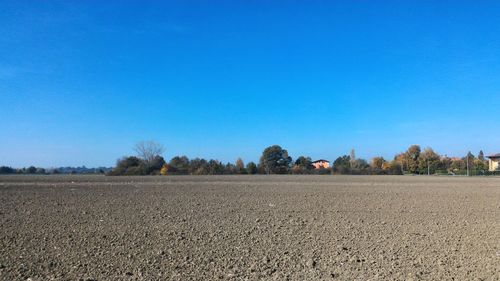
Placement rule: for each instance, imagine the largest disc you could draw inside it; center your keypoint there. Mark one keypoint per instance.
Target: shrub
(129, 166)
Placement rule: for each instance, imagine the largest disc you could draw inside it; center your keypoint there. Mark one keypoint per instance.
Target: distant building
(493, 162)
(318, 164)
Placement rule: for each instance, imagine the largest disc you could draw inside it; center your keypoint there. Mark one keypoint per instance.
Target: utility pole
(467, 164)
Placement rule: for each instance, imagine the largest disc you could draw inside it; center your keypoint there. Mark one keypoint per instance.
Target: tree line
(32, 170)
(276, 160)
(414, 161)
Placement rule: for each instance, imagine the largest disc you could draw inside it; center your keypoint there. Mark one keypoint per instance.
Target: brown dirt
(249, 227)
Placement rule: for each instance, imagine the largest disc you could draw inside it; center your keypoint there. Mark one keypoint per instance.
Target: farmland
(249, 227)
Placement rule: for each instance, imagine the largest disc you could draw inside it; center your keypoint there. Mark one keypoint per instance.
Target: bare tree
(148, 150)
(352, 158)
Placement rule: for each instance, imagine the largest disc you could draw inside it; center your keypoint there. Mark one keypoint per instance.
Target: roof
(321, 160)
(494, 156)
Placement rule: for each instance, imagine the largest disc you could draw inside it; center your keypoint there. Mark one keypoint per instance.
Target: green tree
(179, 165)
(131, 161)
(428, 162)
(40, 171)
(342, 165)
(359, 167)
(304, 161)
(457, 165)
(155, 165)
(252, 168)
(480, 156)
(470, 156)
(230, 169)
(198, 166)
(469, 162)
(215, 167)
(275, 160)
(481, 164)
(6, 170)
(480, 167)
(445, 163)
(31, 170)
(128, 166)
(303, 165)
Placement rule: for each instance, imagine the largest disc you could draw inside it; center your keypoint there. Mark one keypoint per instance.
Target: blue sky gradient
(82, 81)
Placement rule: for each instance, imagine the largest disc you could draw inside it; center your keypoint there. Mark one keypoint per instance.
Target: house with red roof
(321, 164)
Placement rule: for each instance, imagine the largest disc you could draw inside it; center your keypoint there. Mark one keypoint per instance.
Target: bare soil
(249, 228)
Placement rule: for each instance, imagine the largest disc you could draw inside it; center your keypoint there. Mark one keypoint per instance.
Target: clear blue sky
(82, 81)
